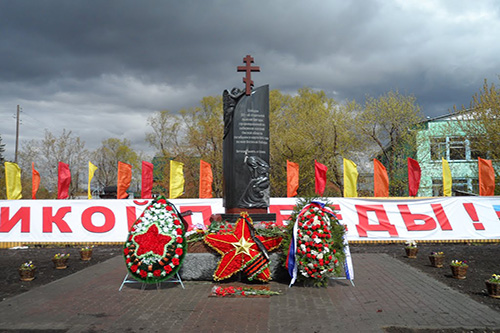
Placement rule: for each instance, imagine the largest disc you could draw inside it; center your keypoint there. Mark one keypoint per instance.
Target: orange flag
(35, 181)
(292, 178)
(486, 177)
(206, 180)
(147, 180)
(124, 179)
(63, 181)
(380, 180)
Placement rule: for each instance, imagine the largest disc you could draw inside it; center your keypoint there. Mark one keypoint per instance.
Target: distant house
(442, 137)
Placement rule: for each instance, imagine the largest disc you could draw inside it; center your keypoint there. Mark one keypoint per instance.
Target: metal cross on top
(248, 68)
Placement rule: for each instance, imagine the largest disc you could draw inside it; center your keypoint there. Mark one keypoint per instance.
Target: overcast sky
(101, 68)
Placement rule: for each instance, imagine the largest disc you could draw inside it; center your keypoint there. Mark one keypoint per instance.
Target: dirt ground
(483, 259)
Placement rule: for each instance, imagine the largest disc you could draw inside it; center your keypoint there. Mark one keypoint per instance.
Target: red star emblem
(237, 248)
(152, 241)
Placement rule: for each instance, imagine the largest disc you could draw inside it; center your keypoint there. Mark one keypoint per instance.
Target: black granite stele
(246, 149)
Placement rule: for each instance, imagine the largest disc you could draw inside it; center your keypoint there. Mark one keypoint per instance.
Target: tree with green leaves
(106, 158)
(390, 121)
(306, 127)
(481, 121)
(204, 125)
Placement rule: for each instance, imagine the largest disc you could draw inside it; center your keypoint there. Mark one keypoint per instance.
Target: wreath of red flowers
(156, 246)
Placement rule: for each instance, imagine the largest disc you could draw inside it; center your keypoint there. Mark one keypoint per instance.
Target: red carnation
(336, 261)
(309, 255)
(169, 208)
(179, 231)
(179, 251)
(175, 261)
(128, 260)
(329, 257)
(167, 268)
(157, 272)
(125, 250)
(179, 240)
(143, 274)
(133, 268)
(162, 201)
(177, 222)
(334, 251)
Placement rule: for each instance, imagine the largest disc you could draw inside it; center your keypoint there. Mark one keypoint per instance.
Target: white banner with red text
(452, 218)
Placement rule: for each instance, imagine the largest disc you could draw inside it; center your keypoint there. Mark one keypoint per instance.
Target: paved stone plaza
(387, 293)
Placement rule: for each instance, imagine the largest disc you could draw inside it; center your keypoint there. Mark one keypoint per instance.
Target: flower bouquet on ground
(459, 269)
(411, 249)
(258, 291)
(437, 259)
(86, 252)
(493, 286)
(314, 243)
(27, 271)
(60, 260)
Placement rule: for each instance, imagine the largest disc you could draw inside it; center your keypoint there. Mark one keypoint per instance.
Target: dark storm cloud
(81, 64)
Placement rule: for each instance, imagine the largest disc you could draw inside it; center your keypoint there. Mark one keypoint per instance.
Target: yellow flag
(350, 179)
(176, 179)
(446, 178)
(13, 181)
(92, 169)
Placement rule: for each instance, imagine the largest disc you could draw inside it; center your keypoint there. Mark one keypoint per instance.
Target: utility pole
(17, 133)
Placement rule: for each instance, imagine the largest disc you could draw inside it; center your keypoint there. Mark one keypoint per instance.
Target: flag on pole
(350, 179)
(13, 181)
(35, 181)
(124, 179)
(446, 178)
(292, 178)
(380, 180)
(320, 177)
(414, 174)
(147, 180)
(92, 169)
(63, 180)
(176, 179)
(486, 177)
(206, 180)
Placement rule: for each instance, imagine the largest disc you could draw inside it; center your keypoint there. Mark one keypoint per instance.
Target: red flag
(124, 179)
(35, 181)
(320, 177)
(63, 181)
(380, 180)
(414, 174)
(292, 178)
(147, 180)
(206, 180)
(486, 177)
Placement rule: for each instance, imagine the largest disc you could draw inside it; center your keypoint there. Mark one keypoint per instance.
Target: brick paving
(387, 293)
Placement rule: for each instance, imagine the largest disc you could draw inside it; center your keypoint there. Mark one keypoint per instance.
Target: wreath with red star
(242, 250)
(156, 246)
